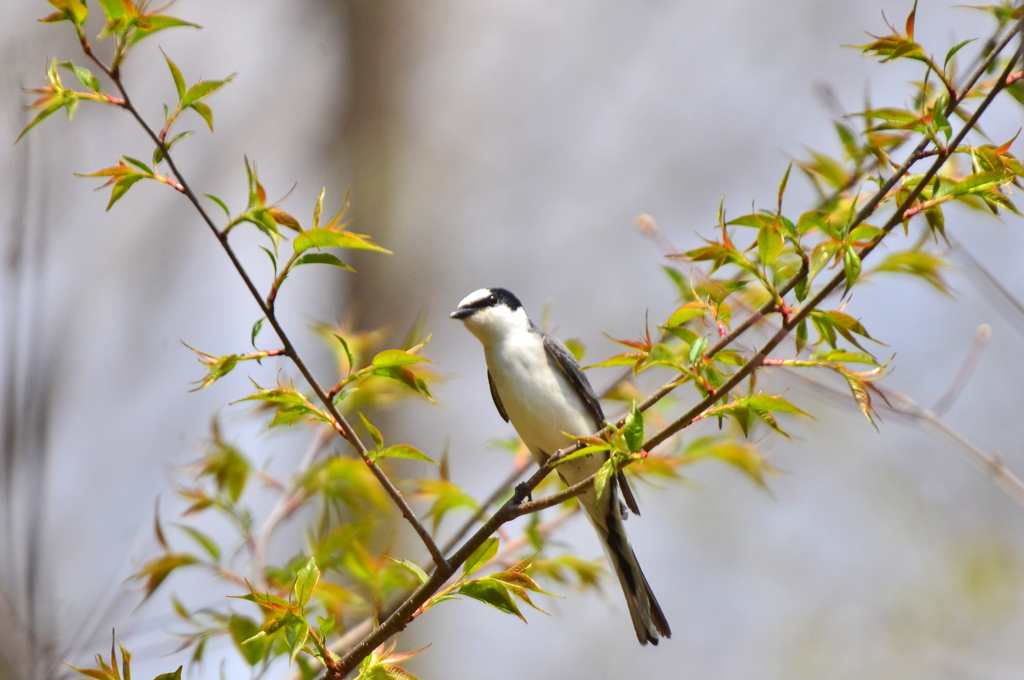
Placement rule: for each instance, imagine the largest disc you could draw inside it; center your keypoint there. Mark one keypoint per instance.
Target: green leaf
(151, 23)
(831, 170)
(269, 602)
(493, 593)
(305, 581)
(843, 355)
(84, 76)
(139, 164)
(331, 238)
(481, 556)
(801, 335)
(743, 456)
(202, 89)
(179, 80)
(927, 266)
(291, 405)
(256, 329)
(697, 349)
(953, 50)
(126, 660)
(204, 541)
(851, 266)
(412, 568)
(204, 111)
(375, 434)
(604, 473)
(73, 10)
(41, 116)
(244, 632)
(348, 352)
(576, 347)
(447, 497)
(900, 117)
(228, 467)
(114, 9)
(782, 184)
(685, 314)
(325, 625)
(755, 220)
(981, 181)
(322, 258)
(156, 570)
(633, 430)
(296, 630)
(404, 451)
(585, 451)
(222, 204)
(318, 208)
(767, 402)
(518, 584)
(396, 357)
(769, 244)
(176, 675)
(121, 187)
(405, 376)
(848, 139)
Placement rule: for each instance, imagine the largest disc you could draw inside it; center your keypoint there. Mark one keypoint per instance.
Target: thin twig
(970, 363)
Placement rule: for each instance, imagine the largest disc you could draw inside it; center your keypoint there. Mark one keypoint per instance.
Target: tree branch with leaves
(774, 265)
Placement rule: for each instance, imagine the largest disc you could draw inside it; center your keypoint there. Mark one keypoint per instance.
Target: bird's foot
(522, 493)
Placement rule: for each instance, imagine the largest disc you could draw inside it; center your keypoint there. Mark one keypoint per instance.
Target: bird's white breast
(539, 401)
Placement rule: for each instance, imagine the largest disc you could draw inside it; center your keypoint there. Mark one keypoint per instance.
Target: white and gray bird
(537, 385)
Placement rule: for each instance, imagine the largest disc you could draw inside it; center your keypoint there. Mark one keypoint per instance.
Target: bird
(538, 386)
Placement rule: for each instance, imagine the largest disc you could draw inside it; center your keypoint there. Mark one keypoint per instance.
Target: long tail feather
(648, 619)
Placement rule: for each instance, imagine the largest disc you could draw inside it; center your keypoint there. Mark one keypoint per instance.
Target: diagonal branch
(401, 616)
(340, 424)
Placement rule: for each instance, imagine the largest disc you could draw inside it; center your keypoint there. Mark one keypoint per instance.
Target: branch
(512, 509)
(897, 218)
(340, 424)
(505, 557)
(903, 405)
(400, 617)
(1005, 478)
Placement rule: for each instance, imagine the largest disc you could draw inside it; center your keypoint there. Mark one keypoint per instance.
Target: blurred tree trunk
(380, 38)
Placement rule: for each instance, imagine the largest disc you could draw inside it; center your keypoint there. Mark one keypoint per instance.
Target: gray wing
(497, 400)
(567, 362)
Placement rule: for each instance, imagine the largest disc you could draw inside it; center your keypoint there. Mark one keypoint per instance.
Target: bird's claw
(522, 493)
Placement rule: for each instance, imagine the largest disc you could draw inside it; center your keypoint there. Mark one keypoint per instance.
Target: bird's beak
(462, 313)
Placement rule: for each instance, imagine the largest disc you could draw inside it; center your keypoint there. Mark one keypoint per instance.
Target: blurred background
(505, 143)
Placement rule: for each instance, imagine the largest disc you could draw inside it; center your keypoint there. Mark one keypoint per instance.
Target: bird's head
(491, 313)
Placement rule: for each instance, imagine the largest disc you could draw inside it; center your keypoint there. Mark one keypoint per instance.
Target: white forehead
(475, 296)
